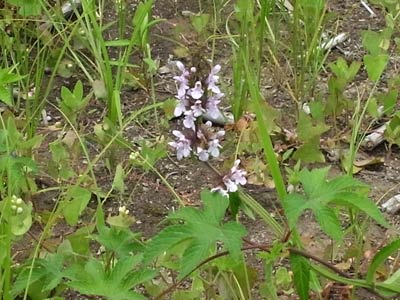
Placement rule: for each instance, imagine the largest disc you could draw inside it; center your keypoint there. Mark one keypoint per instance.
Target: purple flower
(202, 154)
(212, 79)
(180, 107)
(188, 122)
(213, 147)
(197, 109)
(181, 145)
(212, 105)
(231, 186)
(196, 92)
(182, 80)
(237, 175)
(232, 180)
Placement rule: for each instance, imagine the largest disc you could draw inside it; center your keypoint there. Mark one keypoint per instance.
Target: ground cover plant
(199, 149)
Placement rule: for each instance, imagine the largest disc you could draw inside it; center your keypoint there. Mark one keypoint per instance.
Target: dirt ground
(147, 198)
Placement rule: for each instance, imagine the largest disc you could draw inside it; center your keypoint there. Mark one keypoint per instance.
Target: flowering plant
(195, 103)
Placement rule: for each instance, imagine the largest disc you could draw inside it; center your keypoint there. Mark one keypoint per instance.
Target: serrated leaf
(301, 275)
(319, 193)
(329, 222)
(114, 284)
(363, 204)
(200, 231)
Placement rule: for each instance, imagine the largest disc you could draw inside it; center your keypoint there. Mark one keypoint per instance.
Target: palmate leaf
(320, 194)
(114, 284)
(200, 230)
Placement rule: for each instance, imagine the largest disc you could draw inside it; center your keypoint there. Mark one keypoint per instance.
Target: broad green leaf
(363, 204)
(301, 275)
(117, 283)
(309, 152)
(329, 222)
(200, 231)
(320, 193)
(375, 65)
(294, 205)
(119, 241)
(74, 204)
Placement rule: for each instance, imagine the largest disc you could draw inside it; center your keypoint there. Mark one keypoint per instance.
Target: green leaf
(329, 222)
(294, 204)
(200, 22)
(309, 152)
(119, 177)
(74, 204)
(21, 223)
(321, 193)
(27, 7)
(301, 275)
(5, 95)
(119, 241)
(375, 65)
(380, 258)
(200, 231)
(362, 203)
(114, 284)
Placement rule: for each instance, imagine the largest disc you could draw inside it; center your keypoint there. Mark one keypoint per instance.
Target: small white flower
(19, 201)
(306, 108)
(213, 147)
(188, 122)
(212, 105)
(180, 108)
(212, 79)
(19, 210)
(181, 145)
(202, 154)
(196, 92)
(123, 211)
(197, 109)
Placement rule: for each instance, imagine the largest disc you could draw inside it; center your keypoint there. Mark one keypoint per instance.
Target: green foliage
(321, 196)
(27, 7)
(114, 284)
(309, 132)
(200, 231)
(45, 276)
(301, 275)
(75, 201)
(73, 102)
(7, 78)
